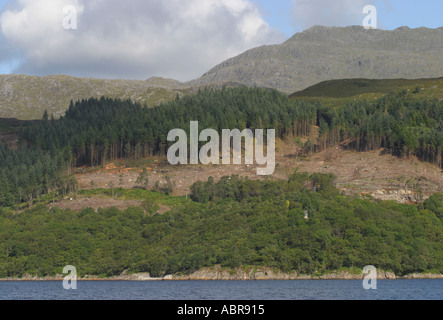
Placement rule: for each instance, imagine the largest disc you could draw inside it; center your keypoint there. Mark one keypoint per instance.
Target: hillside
(27, 97)
(98, 180)
(375, 173)
(339, 92)
(390, 148)
(328, 53)
(308, 58)
(350, 88)
(281, 225)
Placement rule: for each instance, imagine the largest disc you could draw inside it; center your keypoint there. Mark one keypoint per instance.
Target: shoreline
(219, 274)
(438, 277)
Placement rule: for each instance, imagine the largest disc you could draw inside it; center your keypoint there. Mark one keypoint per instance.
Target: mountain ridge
(331, 53)
(306, 59)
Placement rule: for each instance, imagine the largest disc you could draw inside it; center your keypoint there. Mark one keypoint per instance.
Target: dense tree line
(234, 187)
(402, 125)
(301, 224)
(28, 173)
(95, 131)
(98, 130)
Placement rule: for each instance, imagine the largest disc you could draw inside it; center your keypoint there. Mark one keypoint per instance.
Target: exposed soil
(80, 203)
(94, 203)
(376, 173)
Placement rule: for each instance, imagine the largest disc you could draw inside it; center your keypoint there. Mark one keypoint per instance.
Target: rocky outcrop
(253, 273)
(218, 273)
(424, 276)
(400, 196)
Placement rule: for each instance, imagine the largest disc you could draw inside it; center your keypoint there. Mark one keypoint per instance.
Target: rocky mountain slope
(27, 97)
(330, 53)
(315, 55)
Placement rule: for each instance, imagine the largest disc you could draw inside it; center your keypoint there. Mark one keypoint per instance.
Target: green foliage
(150, 206)
(143, 178)
(252, 228)
(26, 174)
(435, 204)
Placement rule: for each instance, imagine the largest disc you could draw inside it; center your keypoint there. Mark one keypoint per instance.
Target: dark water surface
(224, 290)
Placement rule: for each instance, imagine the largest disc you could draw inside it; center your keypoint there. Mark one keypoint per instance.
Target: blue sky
(391, 13)
(19, 50)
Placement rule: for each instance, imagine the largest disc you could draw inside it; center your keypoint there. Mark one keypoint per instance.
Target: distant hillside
(308, 58)
(26, 97)
(329, 53)
(340, 92)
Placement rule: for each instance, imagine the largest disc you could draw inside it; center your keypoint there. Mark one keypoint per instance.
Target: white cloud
(337, 13)
(133, 39)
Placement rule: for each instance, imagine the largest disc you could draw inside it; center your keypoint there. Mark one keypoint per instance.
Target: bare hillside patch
(375, 173)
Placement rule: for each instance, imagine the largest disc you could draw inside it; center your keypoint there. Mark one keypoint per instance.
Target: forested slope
(96, 131)
(301, 224)
(286, 225)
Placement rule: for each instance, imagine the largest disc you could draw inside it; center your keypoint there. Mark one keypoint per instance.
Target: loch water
(224, 290)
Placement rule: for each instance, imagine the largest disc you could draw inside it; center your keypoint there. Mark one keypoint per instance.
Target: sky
(179, 39)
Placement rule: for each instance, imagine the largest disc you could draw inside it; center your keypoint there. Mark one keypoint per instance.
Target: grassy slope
(339, 92)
